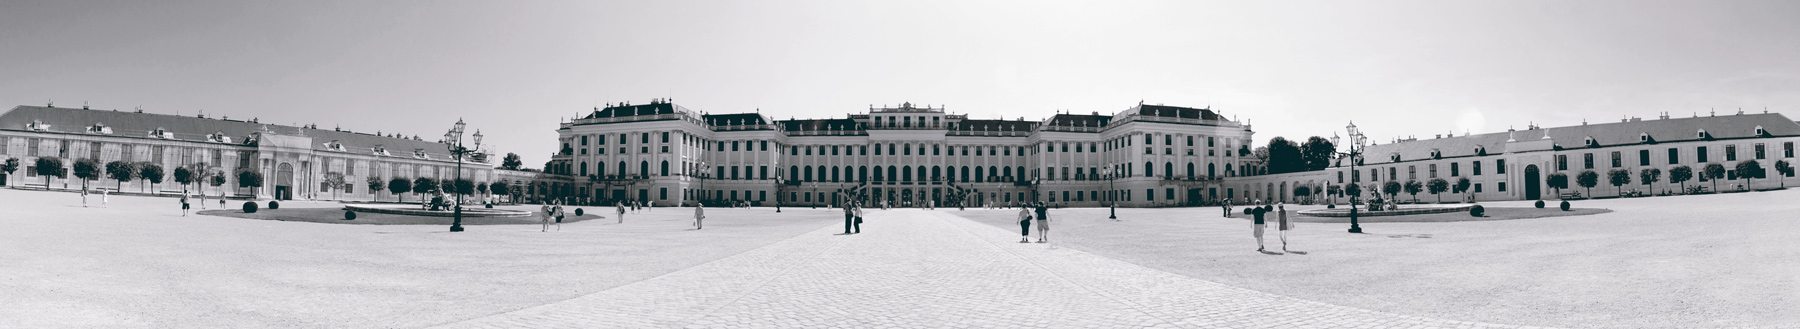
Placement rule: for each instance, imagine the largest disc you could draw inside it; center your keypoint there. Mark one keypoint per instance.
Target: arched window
(834, 174)
(1169, 169)
(1210, 172)
(936, 173)
(1149, 169)
(622, 168)
(978, 176)
(965, 174)
(584, 168)
(644, 168)
(809, 173)
(893, 175)
(793, 170)
(821, 170)
(878, 175)
(906, 172)
(1007, 174)
(665, 168)
(921, 168)
(862, 173)
(600, 168)
(1190, 165)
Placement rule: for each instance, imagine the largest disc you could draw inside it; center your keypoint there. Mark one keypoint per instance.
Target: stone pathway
(913, 268)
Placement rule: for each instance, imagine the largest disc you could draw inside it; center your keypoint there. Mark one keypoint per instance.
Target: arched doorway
(284, 182)
(1531, 182)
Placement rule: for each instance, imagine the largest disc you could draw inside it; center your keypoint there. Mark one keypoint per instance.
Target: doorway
(1531, 182)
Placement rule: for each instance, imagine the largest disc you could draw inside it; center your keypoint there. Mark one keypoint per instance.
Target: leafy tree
(120, 172)
(399, 187)
(1588, 179)
(11, 165)
(184, 176)
(150, 172)
(50, 167)
(250, 179)
(335, 182)
(1558, 181)
(1462, 186)
(374, 184)
(1436, 186)
(1413, 187)
(218, 179)
(1334, 190)
(1782, 168)
(1618, 178)
(1284, 156)
(1353, 189)
(424, 185)
(86, 170)
(448, 186)
(1392, 188)
(1650, 176)
(1749, 169)
(465, 187)
(481, 188)
(1317, 153)
(1680, 175)
(1301, 191)
(500, 188)
(1714, 172)
(511, 161)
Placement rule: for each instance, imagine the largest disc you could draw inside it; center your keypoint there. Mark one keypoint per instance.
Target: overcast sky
(1291, 68)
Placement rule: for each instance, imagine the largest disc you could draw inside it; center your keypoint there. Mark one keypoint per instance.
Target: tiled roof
(735, 119)
(1080, 120)
(1176, 112)
(994, 125)
(139, 125)
(819, 124)
(1604, 135)
(631, 110)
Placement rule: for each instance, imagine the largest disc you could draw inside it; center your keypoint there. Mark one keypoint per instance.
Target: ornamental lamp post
(453, 141)
(1354, 153)
(778, 184)
(1111, 196)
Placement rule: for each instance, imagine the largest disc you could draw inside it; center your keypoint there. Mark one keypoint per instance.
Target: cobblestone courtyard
(1654, 262)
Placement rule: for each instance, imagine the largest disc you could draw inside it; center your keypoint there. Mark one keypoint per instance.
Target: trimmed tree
(1588, 179)
(424, 185)
(1413, 187)
(1749, 169)
(250, 179)
(1462, 187)
(1437, 186)
(1714, 172)
(1558, 181)
(1302, 191)
(447, 186)
(86, 170)
(1391, 188)
(217, 178)
(1650, 176)
(335, 182)
(152, 173)
(50, 167)
(1680, 175)
(11, 165)
(1782, 168)
(399, 187)
(120, 172)
(184, 176)
(500, 188)
(1352, 190)
(465, 187)
(1618, 178)
(374, 184)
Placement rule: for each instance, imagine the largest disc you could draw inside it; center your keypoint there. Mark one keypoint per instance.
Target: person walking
(1282, 225)
(1227, 207)
(544, 216)
(84, 198)
(103, 197)
(849, 218)
(184, 205)
(558, 210)
(859, 216)
(1024, 225)
(621, 205)
(1257, 223)
(1043, 222)
(699, 215)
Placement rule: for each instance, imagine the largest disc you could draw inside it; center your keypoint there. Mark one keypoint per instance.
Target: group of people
(852, 218)
(1042, 217)
(1259, 214)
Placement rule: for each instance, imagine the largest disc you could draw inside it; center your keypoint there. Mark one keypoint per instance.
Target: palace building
(1145, 155)
(293, 161)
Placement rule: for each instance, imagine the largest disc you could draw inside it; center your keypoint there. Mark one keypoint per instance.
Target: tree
(152, 173)
(1284, 156)
(11, 165)
(1317, 153)
(1392, 188)
(1680, 175)
(335, 182)
(1650, 176)
(511, 161)
(1413, 187)
(250, 179)
(481, 188)
(374, 184)
(86, 170)
(120, 172)
(1588, 179)
(1437, 185)
(465, 187)
(399, 187)
(1749, 169)
(1558, 181)
(500, 188)
(1353, 189)
(447, 186)
(1462, 186)
(50, 167)
(1618, 178)
(184, 176)
(1301, 191)
(218, 179)
(424, 185)
(1714, 172)
(1782, 167)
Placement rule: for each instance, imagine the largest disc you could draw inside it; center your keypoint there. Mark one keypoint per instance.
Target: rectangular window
(1730, 152)
(1500, 167)
(1475, 168)
(1787, 150)
(864, 150)
(1616, 160)
(1412, 172)
(1149, 193)
(584, 140)
(762, 172)
(1700, 154)
(1209, 142)
(734, 146)
(600, 151)
(809, 150)
(645, 139)
(1674, 156)
(1587, 161)
(600, 140)
(1643, 157)
(1169, 193)
(1759, 152)
(662, 193)
(1433, 168)
(665, 137)
(793, 150)
(1562, 162)
(834, 150)
(1454, 171)
(1501, 186)
(1149, 150)
(1477, 187)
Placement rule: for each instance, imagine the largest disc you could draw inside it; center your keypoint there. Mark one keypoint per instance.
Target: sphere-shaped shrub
(490, 206)
(578, 212)
(249, 207)
(349, 215)
(274, 205)
(1331, 206)
(1540, 204)
(1565, 206)
(1477, 211)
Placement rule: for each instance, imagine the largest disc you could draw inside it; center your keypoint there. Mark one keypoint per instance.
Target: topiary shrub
(1331, 206)
(349, 215)
(249, 207)
(274, 205)
(1565, 206)
(490, 206)
(578, 211)
(1540, 204)
(1478, 211)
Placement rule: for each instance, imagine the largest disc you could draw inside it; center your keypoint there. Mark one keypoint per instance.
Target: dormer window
(1700, 134)
(1436, 154)
(1590, 142)
(1395, 156)
(100, 128)
(380, 150)
(218, 137)
(161, 133)
(1761, 132)
(334, 145)
(1480, 150)
(37, 125)
(420, 153)
(1644, 137)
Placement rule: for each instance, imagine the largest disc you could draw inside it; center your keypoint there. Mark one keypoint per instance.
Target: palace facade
(293, 161)
(1145, 155)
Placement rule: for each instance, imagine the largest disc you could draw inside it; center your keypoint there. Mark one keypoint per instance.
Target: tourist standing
(544, 213)
(859, 216)
(1043, 222)
(558, 210)
(1227, 207)
(103, 197)
(1282, 224)
(1024, 225)
(84, 197)
(621, 205)
(699, 214)
(184, 205)
(849, 218)
(1257, 223)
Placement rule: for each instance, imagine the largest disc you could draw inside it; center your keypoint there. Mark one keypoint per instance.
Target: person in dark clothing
(1024, 226)
(1257, 213)
(850, 219)
(1043, 222)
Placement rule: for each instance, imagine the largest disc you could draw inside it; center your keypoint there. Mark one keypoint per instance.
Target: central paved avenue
(917, 268)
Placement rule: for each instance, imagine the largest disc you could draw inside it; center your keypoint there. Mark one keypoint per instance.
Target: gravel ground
(336, 216)
(137, 263)
(1491, 213)
(1675, 262)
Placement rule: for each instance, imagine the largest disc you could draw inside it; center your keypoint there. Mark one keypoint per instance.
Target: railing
(991, 133)
(742, 127)
(1146, 118)
(1072, 129)
(653, 117)
(884, 126)
(857, 132)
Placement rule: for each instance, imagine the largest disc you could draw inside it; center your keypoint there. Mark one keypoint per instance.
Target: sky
(514, 69)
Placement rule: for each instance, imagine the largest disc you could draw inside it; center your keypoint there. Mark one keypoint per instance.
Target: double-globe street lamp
(1354, 154)
(453, 140)
(1112, 196)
